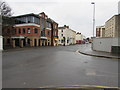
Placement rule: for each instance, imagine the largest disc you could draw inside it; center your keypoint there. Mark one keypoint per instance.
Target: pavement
(87, 50)
(56, 66)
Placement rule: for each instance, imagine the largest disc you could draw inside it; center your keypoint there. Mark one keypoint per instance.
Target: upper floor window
(8, 31)
(28, 30)
(55, 26)
(23, 30)
(48, 33)
(36, 30)
(55, 33)
(19, 30)
(42, 33)
(61, 34)
(48, 24)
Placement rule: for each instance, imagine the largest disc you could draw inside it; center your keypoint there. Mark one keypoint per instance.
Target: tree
(5, 9)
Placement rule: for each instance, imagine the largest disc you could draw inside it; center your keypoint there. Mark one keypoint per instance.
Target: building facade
(79, 38)
(32, 30)
(100, 31)
(49, 30)
(26, 31)
(66, 35)
(112, 27)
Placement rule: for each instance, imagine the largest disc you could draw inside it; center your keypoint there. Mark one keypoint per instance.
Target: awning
(56, 39)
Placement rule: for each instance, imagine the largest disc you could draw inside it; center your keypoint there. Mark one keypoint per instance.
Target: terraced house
(34, 30)
(66, 35)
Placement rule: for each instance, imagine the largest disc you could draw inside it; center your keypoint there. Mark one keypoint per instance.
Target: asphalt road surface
(57, 66)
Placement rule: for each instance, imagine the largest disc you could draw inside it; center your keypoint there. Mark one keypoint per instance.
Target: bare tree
(5, 9)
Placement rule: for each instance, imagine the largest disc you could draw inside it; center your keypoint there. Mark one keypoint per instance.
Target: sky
(77, 14)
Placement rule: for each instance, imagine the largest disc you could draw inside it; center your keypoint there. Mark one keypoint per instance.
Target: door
(35, 42)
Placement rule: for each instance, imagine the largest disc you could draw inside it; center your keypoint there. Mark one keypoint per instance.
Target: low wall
(1, 43)
(105, 44)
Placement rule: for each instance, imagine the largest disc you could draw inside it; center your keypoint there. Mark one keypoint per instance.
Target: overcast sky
(77, 14)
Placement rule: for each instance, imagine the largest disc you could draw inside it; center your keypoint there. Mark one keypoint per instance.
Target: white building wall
(79, 37)
(104, 44)
(1, 43)
(68, 34)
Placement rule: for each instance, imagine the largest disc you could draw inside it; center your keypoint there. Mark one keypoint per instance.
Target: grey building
(112, 27)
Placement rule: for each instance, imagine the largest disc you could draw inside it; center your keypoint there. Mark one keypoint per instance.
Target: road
(57, 66)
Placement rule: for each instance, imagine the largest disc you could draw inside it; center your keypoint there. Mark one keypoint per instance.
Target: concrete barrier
(105, 44)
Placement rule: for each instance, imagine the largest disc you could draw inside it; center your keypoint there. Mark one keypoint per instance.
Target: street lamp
(93, 16)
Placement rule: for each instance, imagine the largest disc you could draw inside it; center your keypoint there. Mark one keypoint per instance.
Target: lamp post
(93, 17)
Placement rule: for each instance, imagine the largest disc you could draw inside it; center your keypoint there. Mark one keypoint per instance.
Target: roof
(113, 17)
(36, 15)
(61, 27)
(31, 14)
(51, 20)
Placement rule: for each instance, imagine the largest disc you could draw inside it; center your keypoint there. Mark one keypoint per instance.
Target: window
(14, 31)
(28, 30)
(43, 33)
(48, 24)
(55, 33)
(48, 33)
(67, 41)
(62, 41)
(61, 30)
(23, 30)
(19, 30)
(36, 30)
(29, 19)
(61, 34)
(55, 26)
(8, 31)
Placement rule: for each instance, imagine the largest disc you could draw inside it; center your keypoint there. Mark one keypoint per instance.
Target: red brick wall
(46, 32)
(32, 33)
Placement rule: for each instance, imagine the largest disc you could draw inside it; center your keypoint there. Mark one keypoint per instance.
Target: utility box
(115, 49)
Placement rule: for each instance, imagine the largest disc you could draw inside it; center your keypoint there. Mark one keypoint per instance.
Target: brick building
(49, 30)
(100, 31)
(27, 30)
(33, 30)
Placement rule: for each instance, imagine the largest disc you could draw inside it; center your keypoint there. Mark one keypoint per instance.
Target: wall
(1, 43)
(104, 44)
